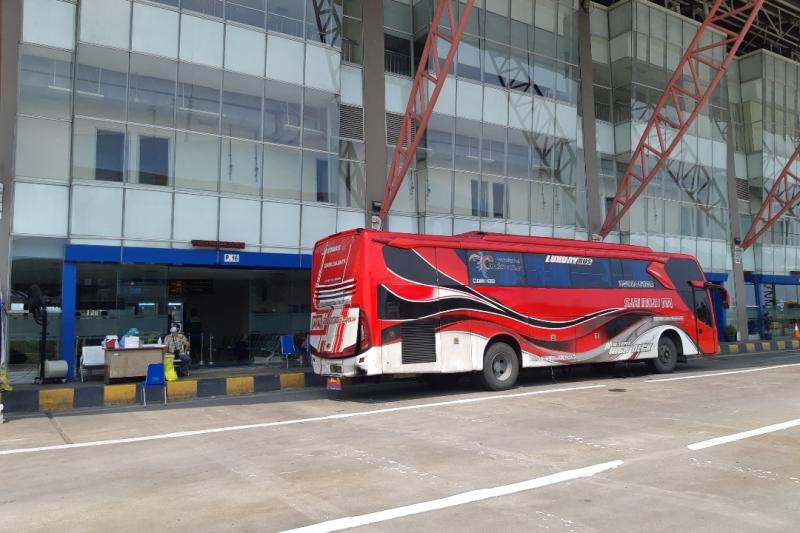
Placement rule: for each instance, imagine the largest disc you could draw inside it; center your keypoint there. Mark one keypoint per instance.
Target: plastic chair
(288, 349)
(155, 378)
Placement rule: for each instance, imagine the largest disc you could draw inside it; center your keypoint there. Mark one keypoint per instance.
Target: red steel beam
(784, 195)
(666, 127)
(421, 102)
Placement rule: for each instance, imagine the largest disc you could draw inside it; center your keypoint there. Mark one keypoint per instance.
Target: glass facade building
(143, 125)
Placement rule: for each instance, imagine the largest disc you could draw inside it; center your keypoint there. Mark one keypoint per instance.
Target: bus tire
(500, 367)
(666, 357)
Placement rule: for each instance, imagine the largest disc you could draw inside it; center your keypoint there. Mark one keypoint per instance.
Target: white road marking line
(744, 435)
(715, 374)
(340, 416)
(457, 499)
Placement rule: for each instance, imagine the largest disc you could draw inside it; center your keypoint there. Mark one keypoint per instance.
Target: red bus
(394, 304)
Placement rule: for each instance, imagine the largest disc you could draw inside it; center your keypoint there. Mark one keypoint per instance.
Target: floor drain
(617, 390)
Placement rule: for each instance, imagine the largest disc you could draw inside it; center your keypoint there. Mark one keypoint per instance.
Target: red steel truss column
(667, 127)
(420, 103)
(784, 195)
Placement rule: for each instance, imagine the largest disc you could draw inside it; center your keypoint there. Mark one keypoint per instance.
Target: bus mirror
(699, 284)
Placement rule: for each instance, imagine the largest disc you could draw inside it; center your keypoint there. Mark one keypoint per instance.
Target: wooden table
(131, 362)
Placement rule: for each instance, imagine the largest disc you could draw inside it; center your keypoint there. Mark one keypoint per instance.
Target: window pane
(323, 21)
(496, 65)
(207, 7)
(37, 136)
(101, 82)
(197, 161)
(49, 22)
(285, 16)
(440, 141)
(493, 150)
(631, 274)
(251, 12)
(151, 98)
(320, 121)
(466, 194)
(438, 191)
(319, 170)
(281, 172)
(468, 153)
(198, 98)
(282, 106)
(591, 273)
(106, 22)
(352, 49)
(519, 193)
(496, 268)
(98, 150)
(541, 273)
(469, 59)
(241, 106)
(241, 167)
(518, 154)
(150, 154)
(351, 184)
(45, 82)
(397, 53)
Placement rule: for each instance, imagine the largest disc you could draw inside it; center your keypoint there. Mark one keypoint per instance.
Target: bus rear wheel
(666, 358)
(500, 367)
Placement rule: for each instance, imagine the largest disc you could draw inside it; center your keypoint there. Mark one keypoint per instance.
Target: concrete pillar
(10, 27)
(739, 295)
(374, 105)
(593, 212)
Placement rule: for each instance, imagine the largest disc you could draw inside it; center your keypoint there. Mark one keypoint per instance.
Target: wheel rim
(664, 353)
(501, 368)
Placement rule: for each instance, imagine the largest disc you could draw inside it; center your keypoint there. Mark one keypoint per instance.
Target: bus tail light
(364, 341)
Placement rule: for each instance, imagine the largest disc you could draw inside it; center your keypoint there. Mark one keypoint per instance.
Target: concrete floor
(408, 444)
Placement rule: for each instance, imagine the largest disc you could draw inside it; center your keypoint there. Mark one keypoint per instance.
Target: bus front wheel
(666, 358)
(500, 367)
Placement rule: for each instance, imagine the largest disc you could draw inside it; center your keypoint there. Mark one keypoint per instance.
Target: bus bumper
(365, 364)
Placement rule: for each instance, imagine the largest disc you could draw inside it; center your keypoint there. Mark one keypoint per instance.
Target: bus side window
(543, 274)
(594, 275)
(632, 274)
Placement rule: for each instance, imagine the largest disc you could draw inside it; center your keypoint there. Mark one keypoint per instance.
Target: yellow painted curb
(733, 348)
(119, 394)
(240, 385)
(766, 346)
(750, 346)
(55, 399)
(293, 381)
(795, 344)
(781, 345)
(182, 390)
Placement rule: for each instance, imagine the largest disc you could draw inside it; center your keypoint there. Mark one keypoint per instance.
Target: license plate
(336, 369)
(334, 383)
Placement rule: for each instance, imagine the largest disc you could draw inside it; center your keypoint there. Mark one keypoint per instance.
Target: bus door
(704, 316)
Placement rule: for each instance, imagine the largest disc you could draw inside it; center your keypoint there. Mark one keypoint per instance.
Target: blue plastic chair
(155, 378)
(288, 349)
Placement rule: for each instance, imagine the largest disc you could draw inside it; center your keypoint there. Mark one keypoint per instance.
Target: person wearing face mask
(178, 345)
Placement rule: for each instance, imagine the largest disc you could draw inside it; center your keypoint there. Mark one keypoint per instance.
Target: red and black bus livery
(393, 303)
